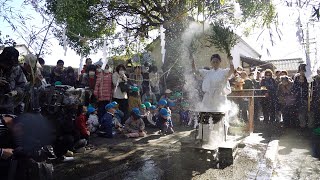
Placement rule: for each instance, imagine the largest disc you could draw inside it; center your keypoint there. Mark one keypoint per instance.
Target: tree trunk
(172, 64)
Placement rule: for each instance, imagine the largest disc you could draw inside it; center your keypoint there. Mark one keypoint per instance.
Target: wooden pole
(251, 114)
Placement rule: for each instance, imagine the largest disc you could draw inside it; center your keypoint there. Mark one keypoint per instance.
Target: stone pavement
(294, 159)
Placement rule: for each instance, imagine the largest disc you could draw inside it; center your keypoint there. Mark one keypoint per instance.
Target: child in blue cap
(135, 126)
(107, 121)
(93, 121)
(152, 116)
(134, 100)
(164, 122)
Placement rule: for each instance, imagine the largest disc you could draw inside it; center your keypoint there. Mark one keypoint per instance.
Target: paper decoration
(64, 37)
(80, 65)
(162, 42)
(104, 54)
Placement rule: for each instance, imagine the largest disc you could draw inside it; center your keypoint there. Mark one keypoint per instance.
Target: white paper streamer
(104, 54)
(162, 42)
(255, 73)
(80, 65)
(64, 37)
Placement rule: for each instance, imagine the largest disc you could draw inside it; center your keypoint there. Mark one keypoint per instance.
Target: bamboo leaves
(222, 37)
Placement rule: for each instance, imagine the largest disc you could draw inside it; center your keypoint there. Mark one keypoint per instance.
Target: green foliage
(262, 12)
(81, 19)
(222, 37)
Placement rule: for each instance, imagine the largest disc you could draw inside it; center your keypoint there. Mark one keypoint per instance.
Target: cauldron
(203, 117)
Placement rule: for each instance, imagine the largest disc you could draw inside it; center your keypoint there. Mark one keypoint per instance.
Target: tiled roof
(286, 64)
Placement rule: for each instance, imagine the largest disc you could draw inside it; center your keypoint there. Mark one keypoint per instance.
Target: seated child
(143, 111)
(81, 122)
(152, 116)
(134, 100)
(93, 121)
(107, 120)
(118, 116)
(164, 122)
(134, 126)
(185, 114)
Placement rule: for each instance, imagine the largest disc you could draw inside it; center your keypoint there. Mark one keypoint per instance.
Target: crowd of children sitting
(87, 121)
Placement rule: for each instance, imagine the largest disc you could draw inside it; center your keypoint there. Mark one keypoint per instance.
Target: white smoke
(194, 30)
(197, 31)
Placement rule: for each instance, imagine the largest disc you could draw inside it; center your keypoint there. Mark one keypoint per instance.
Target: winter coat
(271, 86)
(118, 94)
(132, 126)
(93, 122)
(136, 80)
(103, 88)
(284, 93)
(134, 102)
(56, 75)
(106, 124)
(300, 90)
(81, 124)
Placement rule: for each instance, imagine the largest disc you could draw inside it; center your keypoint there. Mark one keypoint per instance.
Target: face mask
(99, 70)
(106, 70)
(91, 73)
(121, 72)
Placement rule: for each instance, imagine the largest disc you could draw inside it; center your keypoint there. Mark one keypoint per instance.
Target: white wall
(242, 49)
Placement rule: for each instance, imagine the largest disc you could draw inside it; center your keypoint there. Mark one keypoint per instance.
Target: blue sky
(287, 47)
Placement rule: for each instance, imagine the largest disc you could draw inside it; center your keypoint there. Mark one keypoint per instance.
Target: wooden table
(248, 93)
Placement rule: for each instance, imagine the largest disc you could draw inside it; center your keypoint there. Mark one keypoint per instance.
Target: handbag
(124, 86)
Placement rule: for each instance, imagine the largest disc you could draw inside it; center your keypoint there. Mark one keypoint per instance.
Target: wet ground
(161, 157)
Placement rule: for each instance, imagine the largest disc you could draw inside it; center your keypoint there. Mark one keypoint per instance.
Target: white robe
(216, 88)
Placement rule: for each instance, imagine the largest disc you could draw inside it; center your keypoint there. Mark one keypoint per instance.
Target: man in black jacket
(6, 144)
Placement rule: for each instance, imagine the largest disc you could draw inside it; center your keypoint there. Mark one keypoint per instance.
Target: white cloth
(216, 88)
(93, 123)
(117, 91)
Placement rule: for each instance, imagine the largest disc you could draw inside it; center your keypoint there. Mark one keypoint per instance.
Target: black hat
(10, 54)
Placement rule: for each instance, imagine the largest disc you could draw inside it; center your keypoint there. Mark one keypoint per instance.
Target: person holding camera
(12, 81)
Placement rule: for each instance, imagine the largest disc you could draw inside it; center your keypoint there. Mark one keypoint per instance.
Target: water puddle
(148, 170)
